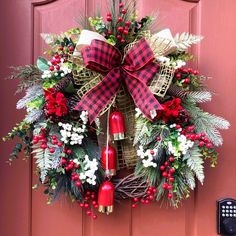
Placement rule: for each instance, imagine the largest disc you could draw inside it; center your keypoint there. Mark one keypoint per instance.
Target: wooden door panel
(179, 16)
(15, 50)
(217, 53)
(62, 217)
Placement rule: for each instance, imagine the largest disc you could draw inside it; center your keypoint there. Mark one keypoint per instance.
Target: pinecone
(176, 91)
(63, 83)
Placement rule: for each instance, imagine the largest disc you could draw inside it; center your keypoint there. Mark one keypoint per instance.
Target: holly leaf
(42, 64)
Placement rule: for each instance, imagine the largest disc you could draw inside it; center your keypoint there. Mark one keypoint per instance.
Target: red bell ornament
(117, 125)
(108, 160)
(106, 197)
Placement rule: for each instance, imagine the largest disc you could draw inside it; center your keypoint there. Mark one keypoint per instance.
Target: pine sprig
(186, 40)
(146, 132)
(32, 93)
(205, 122)
(150, 174)
(29, 75)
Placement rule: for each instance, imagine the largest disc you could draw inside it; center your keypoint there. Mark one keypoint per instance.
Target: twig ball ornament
(117, 125)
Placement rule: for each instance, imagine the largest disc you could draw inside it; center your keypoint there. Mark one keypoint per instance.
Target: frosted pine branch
(186, 40)
(200, 96)
(31, 94)
(33, 115)
(206, 122)
(195, 162)
(190, 179)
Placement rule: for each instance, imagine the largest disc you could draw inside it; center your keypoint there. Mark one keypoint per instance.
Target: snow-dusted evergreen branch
(31, 94)
(206, 122)
(200, 96)
(195, 162)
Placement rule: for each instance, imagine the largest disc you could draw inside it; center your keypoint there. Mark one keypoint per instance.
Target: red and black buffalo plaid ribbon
(137, 70)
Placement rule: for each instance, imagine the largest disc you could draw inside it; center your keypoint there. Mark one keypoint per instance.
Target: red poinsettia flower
(170, 109)
(55, 103)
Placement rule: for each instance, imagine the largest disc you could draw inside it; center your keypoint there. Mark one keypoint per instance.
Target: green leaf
(36, 103)
(49, 83)
(42, 64)
(70, 88)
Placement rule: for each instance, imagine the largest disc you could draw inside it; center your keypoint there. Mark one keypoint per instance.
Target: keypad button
(227, 215)
(235, 211)
(230, 211)
(223, 215)
(234, 207)
(223, 210)
(234, 215)
(227, 207)
(230, 207)
(223, 206)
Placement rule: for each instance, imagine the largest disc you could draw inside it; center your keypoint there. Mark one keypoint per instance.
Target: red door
(24, 212)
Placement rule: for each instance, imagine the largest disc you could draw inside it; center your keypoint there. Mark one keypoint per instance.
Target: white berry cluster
(90, 167)
(65, 69)
(147, 156)
(84, 117)
(46, 74)
(176, 64)
(73, 134)
(182, 146)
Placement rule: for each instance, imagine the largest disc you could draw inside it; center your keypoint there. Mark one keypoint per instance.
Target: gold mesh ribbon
(162, 80)
(160, 46)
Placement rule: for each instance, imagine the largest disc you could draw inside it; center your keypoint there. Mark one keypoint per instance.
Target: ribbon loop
(137, 70)
(101, 56)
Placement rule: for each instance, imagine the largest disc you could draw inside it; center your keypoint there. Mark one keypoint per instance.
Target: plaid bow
(137, 70)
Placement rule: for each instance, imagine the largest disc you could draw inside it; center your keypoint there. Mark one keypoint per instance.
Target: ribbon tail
(96, 99)
(143, 97)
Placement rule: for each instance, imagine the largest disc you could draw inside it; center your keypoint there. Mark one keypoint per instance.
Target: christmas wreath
(116, 96)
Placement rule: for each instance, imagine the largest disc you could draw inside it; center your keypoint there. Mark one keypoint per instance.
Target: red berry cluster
(69, 165)
(43, 139)
(185, 75)
(121, 26)
(66, 50)
(150, 196)
(89, 204)
(167, 173)
(201, 138)
(56, 60)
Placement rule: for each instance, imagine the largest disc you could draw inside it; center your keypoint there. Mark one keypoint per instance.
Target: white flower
(183, 144)
(147, 156)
